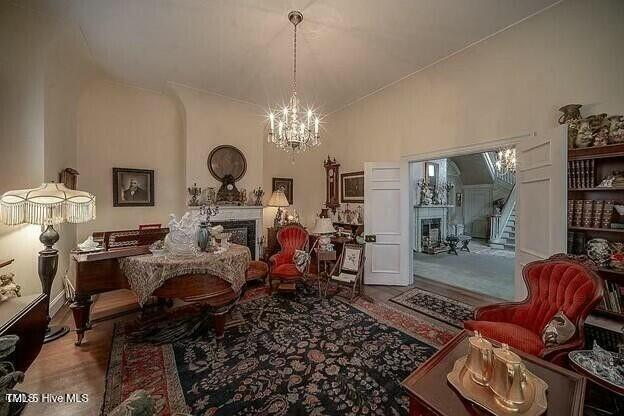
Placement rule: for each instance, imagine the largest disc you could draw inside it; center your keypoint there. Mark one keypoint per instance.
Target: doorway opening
(464, 223)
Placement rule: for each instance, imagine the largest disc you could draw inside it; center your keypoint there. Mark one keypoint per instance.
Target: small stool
(452, 242)
(465, 240)
(256, 270)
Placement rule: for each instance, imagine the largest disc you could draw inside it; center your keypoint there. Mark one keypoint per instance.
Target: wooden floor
(64, 368)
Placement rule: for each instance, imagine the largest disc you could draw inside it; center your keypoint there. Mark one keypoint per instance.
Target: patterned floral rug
(437, 306)
(292, 356)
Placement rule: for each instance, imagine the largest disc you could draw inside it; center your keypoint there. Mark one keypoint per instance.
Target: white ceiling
(243, 48)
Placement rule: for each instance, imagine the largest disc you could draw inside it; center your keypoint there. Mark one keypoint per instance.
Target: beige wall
(212, 120)
(126, 127)
(511, 84)
(41, 71)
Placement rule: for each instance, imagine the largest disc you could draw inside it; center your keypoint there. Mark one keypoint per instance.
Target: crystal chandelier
(506, 160)
(291, 128)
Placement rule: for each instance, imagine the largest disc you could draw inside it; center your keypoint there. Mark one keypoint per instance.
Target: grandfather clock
(332, 169)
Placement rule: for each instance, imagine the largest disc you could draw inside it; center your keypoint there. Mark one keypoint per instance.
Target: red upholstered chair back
(557, 285)
(291, 238)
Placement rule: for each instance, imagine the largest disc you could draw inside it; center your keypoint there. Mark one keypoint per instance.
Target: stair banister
(506, 212)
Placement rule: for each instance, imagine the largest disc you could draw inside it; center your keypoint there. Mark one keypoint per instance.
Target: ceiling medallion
(291, 128)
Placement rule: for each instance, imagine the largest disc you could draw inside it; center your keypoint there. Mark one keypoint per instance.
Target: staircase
(509, 232)
(503, 226)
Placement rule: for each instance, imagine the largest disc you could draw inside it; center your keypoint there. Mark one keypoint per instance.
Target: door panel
(382, 218)
(542, 194)
(477, 208)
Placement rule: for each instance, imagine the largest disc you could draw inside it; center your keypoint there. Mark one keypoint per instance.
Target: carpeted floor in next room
(297, 355)
(483, 270)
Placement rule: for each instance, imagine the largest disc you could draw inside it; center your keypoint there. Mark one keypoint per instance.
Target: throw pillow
(558, 331)
(301, 260)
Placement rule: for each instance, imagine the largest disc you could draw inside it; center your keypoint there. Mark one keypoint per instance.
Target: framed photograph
(133, 187)
(286, 184)
(458, 199)
(352, 187)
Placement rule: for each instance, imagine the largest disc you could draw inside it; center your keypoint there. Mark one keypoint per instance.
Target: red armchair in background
(556, 284)
(282, 267)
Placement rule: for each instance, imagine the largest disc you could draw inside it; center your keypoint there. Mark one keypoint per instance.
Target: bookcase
(592, 214)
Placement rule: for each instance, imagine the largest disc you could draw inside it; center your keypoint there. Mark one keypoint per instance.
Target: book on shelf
(581, 173)
(613, 299)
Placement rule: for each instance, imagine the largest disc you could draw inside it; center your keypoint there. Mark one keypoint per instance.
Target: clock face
(331, 173)
(229, 186)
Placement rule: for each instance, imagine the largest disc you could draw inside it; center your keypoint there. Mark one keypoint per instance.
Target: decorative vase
(616, 129)
(585, 134)
(599, 251)
(203, 236)
(571, 115)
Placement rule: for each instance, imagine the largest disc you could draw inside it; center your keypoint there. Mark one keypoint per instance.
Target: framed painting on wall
(286, 184)
(133, 187)
(352, 187)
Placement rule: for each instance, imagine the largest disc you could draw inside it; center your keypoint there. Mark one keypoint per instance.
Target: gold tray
(482, 396)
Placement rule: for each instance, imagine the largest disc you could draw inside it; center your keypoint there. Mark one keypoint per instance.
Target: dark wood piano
(98, 272)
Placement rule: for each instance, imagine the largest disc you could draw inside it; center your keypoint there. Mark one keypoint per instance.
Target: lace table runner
(146, 273)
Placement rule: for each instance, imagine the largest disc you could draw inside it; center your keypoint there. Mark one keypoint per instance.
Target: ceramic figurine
(616, 129)
(182, 237)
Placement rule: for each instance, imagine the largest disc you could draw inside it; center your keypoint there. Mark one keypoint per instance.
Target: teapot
(479, 360)
(509, 379)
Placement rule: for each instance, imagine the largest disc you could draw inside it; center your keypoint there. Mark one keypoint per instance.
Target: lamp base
(54, 332)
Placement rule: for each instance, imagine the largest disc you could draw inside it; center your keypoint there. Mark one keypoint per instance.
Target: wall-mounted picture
(458, 199)
(286, 184)
(133, 187)
(352, 187)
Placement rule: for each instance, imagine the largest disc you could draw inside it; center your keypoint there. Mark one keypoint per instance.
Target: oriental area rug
(437, 306)
(297, 355)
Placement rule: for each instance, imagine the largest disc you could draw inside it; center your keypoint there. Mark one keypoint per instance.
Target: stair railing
(503, 220)
(490, 161)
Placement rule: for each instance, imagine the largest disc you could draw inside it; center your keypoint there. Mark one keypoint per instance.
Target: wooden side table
(324, 257)
(431, 394)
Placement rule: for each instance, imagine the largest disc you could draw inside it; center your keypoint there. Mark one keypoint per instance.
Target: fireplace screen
(243, 233)
(430, 234)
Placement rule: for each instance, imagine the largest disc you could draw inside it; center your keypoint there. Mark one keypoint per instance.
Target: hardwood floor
(62, 368)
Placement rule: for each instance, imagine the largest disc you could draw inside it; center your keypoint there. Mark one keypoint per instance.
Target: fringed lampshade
(51, 203)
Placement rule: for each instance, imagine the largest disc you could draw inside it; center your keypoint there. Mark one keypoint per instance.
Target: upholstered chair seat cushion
(510, 334)
(286, 270)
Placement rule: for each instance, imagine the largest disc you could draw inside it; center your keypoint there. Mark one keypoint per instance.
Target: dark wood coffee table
(431, 394)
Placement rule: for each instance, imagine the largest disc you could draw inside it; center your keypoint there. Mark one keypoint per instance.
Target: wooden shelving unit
(596, 163)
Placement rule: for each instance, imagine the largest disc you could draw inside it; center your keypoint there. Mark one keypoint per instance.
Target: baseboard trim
(57, 303)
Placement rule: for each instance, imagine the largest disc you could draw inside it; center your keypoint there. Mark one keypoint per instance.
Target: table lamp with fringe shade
(278, 199)
(47, 205)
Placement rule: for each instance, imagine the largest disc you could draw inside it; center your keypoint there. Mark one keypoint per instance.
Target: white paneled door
(477, 208)
(541, 206)
(383, 225)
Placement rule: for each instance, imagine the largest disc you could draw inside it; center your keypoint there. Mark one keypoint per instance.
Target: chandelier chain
(295, 61)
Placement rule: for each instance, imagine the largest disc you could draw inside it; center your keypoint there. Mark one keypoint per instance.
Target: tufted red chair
(556, 284)
(291, 237)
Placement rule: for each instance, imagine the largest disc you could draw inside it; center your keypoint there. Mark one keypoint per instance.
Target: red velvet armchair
(291, 237)
(556, 284)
